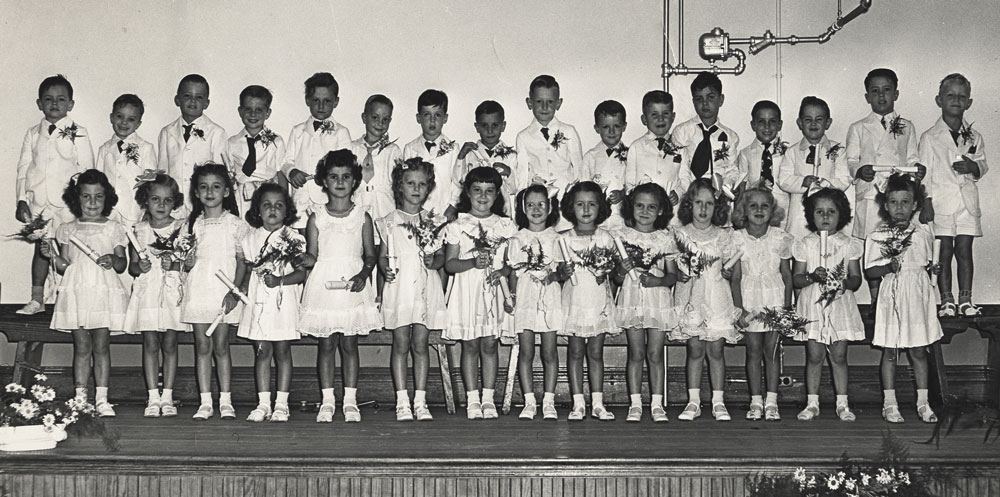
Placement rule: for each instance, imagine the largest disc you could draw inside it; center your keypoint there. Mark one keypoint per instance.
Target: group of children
(594, 247)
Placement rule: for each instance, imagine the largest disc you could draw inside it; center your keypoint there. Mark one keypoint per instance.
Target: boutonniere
(722, 153)
(965, 132)
(382, 143)
(780, 147)
(198, 132)
(621, 152)
(896, 126)
(833, 152)
(558, 139)
(266, 137)
(667, 146)
(503, 151)
(131, 152)
(445, 147)
(71, 132)
(327, 127)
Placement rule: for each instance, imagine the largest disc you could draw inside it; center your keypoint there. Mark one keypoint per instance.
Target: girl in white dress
(587, 303)
(537, 303)
(217, 234)
(828, 282)
(764, 276)
(274, 253)
(475, 307)
(338, 304)
(412, 297)
(707, 305)
(906, 318)
(155, 306)
(645, 300)
(90, 299)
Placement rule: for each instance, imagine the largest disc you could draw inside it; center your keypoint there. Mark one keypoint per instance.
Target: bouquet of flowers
(174, 248)
(485, 243)
(276, 253)
(34, 230)
(784, 321)
(691, 260)
(427, 232)
(832, 285)
(642, 258)
(535, 264)
(598, 260)
(20, 406)
(897, 240)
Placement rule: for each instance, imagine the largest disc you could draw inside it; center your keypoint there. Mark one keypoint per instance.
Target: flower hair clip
(408, 164)
(147, 176)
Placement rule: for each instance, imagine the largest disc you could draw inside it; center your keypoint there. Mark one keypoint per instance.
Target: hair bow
(147, 175)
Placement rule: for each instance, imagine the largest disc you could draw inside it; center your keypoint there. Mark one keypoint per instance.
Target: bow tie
(52, 127)
(318, 124)
(429, 145)
(610, 151)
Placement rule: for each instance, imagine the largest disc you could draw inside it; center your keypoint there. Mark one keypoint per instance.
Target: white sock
(889, 398)
(225, 398)
(578, 401)
(656, 400)
(771, 399)
(549, 398)
(402, 398)
(717, 397)
(81, 392)
(167, 397)
(812, 400)
(529, 399)
(635, 400)
(841, 400)
(328, 396)
(154, 397)
(263, 398)
(281, 398)
(694, 396)
(206, 398)
(100, 394)
(597, 399)
(488, 395)
(350, 396)
(420, 397)
(472, 397)
(756, 399)
(922, 396)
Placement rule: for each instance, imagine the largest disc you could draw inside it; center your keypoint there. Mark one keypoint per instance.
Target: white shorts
(959, 223)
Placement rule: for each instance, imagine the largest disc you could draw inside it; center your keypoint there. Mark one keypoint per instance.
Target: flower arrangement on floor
(33, 419)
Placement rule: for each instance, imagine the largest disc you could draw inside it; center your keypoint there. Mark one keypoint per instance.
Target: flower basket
(30, 437)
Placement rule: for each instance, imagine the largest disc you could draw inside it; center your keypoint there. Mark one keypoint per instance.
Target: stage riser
(295, 486)
(127, 385)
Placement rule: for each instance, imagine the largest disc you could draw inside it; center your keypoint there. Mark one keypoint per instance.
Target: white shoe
(403, 413)
(280, 414)
(601, 413)
(549, 412)
(325, 414)
(260, 413)
(810, 412)
(720, 413)
(422, 413)
(351, 413)
(577, 413)
(926, 413)
(490, 411)
(226, 411)
(474, 410)
(659, 414)
(755, 412)
(771, 412)
(167, 409)
(32, 307)
(105, 410)
(204, 412)
(691, 412)
(529, 412)
(845, 414)
(152, 410)
(634, 414)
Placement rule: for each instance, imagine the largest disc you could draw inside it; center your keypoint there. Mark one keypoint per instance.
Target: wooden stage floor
(454, 456)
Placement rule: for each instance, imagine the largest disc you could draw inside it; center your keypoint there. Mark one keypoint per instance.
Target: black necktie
(767, 165)
(811, 158)
(489, 152)
(429, 145)
(701, 162)
(883, 123)
(52, 127)
(187, 131)
(954, 136)
(250, 165)
(661, 143)
(545, 133)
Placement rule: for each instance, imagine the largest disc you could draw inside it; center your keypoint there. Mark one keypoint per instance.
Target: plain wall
(476, 51)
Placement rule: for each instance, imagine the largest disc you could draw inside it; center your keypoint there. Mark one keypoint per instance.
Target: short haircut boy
(193, 79)
(433, 98)
(609, 108)
(881, 72)
(766, 105)
(256, 91)
(322, 80)
(656, 97)
(953, 77)
(812, 100)
(490, 107)
(543, 81)
(129, 99)
(706, 80)
(57, 80)
(377, 99)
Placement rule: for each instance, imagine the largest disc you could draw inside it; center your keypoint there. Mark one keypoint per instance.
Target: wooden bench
(31, 333)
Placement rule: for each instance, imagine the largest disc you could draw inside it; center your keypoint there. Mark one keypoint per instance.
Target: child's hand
(106, 261)
(451, 213)
(493, 278)
(23, 212)
(305, 260)
(189, 261)
(743, 322)
(809, 180)
(683, 277)
(466, 148)
(927, 213)
(727, 273)
(818, 274)
(894, 266)
(502, 169)
(601, 279)
(167, 264)
(271, 281)
(229, 302)
(866, 173)
(921, 171)
(934, 269)
(509, 308)
(389, 275)
(145, 265)
(627, 266)
(429, 261)
(616, 196)
(297, 178)
(482, 260)
(648, 281)
(358, 282)
(45, 247)
(566, 270)
(673, 198)
(966, 166)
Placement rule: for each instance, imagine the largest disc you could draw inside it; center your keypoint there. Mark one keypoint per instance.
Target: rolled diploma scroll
(89, 252)
(232, 287)
(935, 259)
(215, 324)
(564, 248)
(391, 251)
(338, 285)
(731, 262)
(139, 248)
(823, 236)
(889, 169)
(55, 246)
(624, 254)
